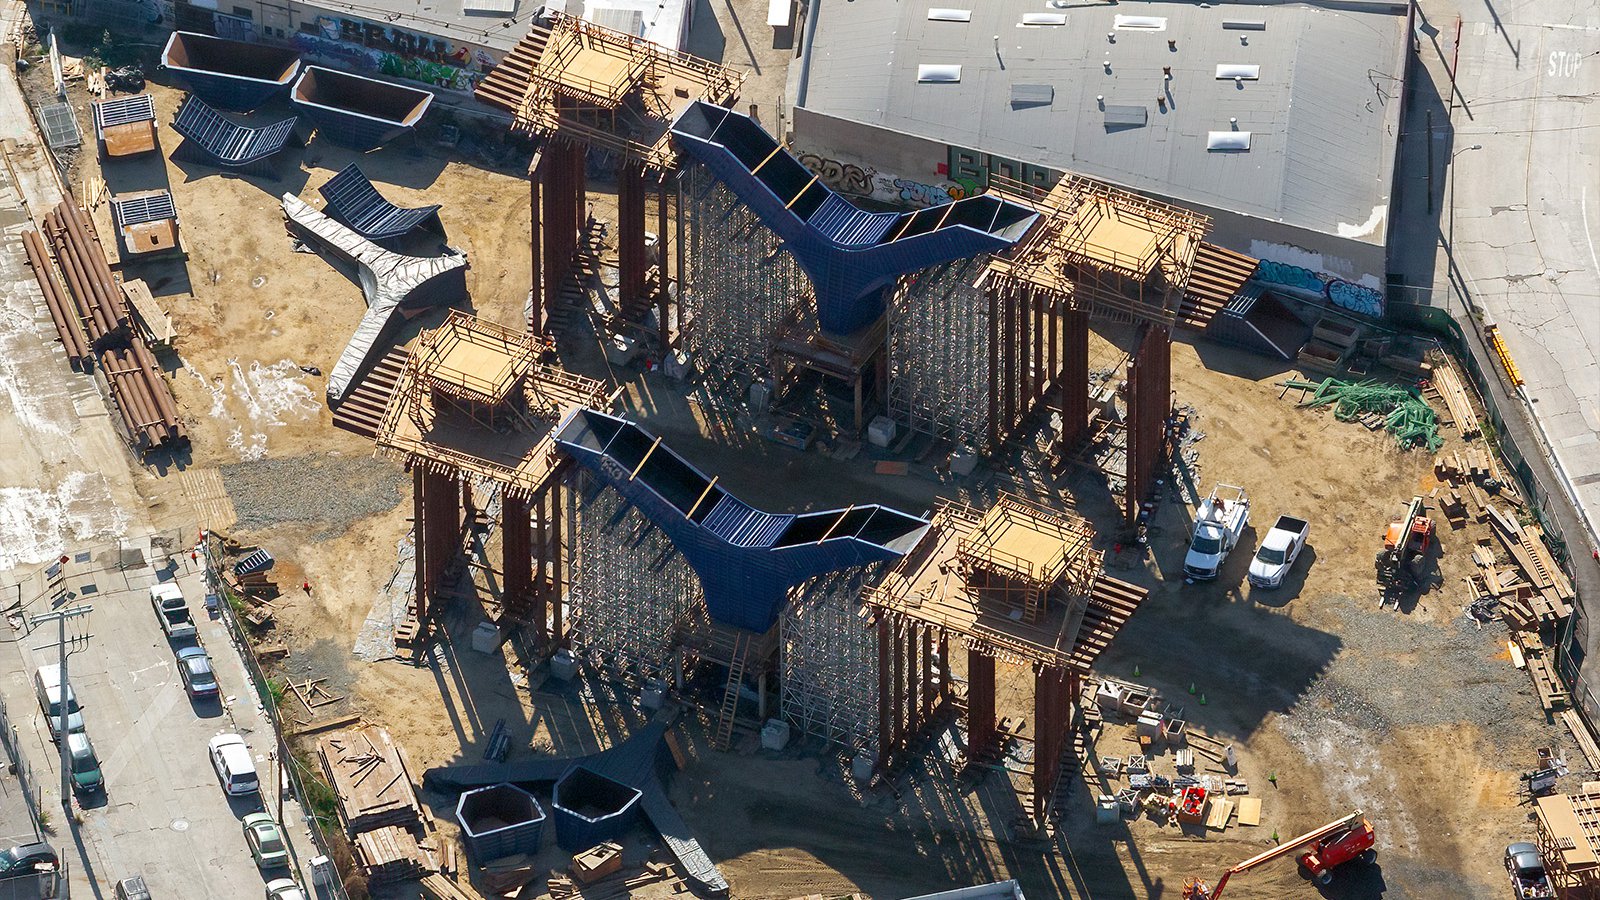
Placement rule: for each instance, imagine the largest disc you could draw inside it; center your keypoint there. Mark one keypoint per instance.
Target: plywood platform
(498, 423)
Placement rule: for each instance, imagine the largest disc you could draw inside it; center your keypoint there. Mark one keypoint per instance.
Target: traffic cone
(1273, 777)
(305, 586)
(1191, 687)
(1275, 836)
(1202, 699)
(1136, 670)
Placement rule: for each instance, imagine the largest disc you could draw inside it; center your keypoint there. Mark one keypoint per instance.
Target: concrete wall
(401, 50)
(893, 167)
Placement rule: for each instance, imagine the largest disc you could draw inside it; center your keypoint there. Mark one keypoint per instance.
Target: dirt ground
(1414, 716)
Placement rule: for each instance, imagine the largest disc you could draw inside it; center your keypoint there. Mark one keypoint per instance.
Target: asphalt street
(1525, 211)
(163, 813)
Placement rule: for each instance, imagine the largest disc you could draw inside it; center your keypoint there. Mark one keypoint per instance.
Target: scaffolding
(742, 287)
(829, 660)
(631, 591)
(939, 354)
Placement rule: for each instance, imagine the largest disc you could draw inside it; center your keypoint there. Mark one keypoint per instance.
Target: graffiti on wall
(378, 49)
(972, 170)
(1343, 294)
(865, 181)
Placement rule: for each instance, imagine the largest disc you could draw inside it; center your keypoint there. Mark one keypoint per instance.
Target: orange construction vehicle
(1330, 846)
(1405, 547)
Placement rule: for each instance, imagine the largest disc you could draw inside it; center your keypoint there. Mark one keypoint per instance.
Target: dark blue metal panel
(353, 201)
(636, 762)
(747, 559)
(231, 75)
(358, 112)
(591, 808)
(214, 140)
(852, 255)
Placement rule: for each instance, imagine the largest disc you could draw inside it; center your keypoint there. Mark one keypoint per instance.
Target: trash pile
(1399, 410)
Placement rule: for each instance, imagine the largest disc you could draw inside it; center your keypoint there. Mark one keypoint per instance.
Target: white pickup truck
(173, 610)
(1278, 551)
(1218, 524)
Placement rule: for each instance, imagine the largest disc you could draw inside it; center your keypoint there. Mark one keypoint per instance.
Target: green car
(86, 777)
(266, 841)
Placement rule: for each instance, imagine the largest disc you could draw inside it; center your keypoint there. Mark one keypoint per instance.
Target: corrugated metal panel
(226, 143)
(123, 111)
(353, 201)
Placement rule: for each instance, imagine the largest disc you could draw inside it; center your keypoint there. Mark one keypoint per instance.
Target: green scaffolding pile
(1405, 414)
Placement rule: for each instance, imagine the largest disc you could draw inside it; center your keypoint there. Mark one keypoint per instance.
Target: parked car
(86, 776)
(230, 757)
(1526, 868)
(173, 610)
(194, 669)
(132, 888)
(25, 859)
(266, 841)
(52, 693)
(284, 889)
(1279, 549)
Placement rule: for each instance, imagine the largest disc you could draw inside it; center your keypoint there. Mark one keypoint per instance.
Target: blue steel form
(355, 111)
(353, 201)
(747, 559)
(639, 762)
(215, 141)
(232, 75)
(852, 255)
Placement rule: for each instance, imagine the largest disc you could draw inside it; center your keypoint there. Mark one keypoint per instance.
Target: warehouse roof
(500, 24)
(1317, 94)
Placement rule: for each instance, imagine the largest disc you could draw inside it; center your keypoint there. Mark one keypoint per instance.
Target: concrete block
(861, 767)
(880, 431)
(486, 637)
(962, 462)
(654, 695)
(563, 665)
(775, 735)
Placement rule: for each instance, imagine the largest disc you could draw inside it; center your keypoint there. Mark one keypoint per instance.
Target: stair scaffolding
(730, 694)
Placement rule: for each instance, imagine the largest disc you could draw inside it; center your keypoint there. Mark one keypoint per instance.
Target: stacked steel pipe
(62, 311)
(92, 318)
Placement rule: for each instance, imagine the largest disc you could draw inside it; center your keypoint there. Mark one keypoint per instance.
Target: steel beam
(516, 557)
(980, 704)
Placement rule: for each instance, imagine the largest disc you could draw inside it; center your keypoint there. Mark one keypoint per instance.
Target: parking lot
(163, 813)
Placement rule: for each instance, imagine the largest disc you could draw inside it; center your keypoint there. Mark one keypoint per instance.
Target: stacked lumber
(1458, 405)
(616, 886)
(1548, 601)
(507, 875)
(1553, 696)
(441, 888)
(389, 854)
(597, 862)
(366, 770)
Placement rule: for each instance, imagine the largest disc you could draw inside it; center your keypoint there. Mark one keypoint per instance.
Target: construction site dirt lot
(1415, 716)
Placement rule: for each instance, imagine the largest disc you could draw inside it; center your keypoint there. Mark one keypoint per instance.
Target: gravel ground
(329, 492)
(1371, 682)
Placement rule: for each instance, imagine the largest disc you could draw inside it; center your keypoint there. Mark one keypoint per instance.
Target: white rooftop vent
(1229, 71)
(1228, 140)
(1141, 23)
(1044, 18)
(489, 7)
(941, 14)
(938, 74)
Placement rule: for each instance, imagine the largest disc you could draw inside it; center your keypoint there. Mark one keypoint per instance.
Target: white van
(47, 687)
(230, 756)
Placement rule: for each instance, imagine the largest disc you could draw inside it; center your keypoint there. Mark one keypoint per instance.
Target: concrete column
(663, 297)
(558, 560)
(1149, 402)
(1049, 691)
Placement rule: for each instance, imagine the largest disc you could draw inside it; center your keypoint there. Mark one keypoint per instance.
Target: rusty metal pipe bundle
(87, 310)
(61, 311)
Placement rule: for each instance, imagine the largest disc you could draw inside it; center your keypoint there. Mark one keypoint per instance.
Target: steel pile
(91, 318)
(1405, 414)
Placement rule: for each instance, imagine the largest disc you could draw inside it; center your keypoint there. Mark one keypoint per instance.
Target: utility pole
(60, 617)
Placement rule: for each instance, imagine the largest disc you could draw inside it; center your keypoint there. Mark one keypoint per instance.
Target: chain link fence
(227, 603)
